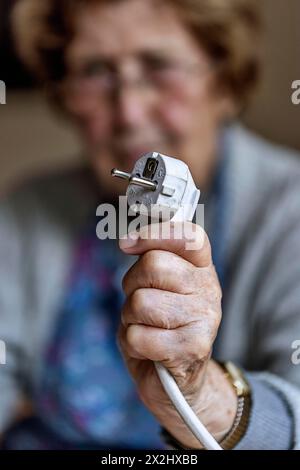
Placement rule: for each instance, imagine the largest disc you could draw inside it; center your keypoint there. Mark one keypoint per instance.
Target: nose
(131, 106)
(133, 98)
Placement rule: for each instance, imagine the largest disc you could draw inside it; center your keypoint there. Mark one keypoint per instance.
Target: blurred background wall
(33, 139)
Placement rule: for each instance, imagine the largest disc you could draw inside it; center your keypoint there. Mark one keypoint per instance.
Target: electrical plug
(161, 186)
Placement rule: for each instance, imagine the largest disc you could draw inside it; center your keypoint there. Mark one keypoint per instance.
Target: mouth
(125, 152)
(132, 153)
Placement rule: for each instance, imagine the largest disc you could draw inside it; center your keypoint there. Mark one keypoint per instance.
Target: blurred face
(138, 82)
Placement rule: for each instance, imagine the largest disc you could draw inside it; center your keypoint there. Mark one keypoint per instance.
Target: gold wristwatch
(241, 422)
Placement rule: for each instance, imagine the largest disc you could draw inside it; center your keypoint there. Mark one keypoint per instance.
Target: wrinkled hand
(172, 314)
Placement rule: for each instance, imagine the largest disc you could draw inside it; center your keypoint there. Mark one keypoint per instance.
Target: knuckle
(138, 302)
(202, 347)
(216, 317)
(132, 337)
(166, 321)
(215, 281)
(198, 346)
(150, 262)
(213, 320)
(216, 291)
(209, 281)
(209, 315)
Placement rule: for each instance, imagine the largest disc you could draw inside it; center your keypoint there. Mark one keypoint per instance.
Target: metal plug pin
(147, 184)
(120, 174)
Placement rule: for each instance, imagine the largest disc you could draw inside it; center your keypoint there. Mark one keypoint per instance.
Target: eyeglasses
(101, 79)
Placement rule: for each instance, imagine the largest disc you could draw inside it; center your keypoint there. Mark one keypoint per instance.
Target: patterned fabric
(86, 398)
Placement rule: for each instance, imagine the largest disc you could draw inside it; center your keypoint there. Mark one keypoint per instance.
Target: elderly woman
(136, 76)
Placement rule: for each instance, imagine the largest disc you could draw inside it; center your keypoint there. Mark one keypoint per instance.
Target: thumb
(185, 239)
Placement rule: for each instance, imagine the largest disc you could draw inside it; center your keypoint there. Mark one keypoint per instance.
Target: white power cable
(185, 411)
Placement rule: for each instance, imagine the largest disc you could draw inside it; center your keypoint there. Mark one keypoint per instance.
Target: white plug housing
(175, 197)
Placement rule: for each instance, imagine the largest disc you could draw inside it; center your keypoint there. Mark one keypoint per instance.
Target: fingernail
(129, 241)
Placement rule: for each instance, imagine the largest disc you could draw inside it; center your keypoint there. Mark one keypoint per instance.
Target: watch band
(243, 392)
